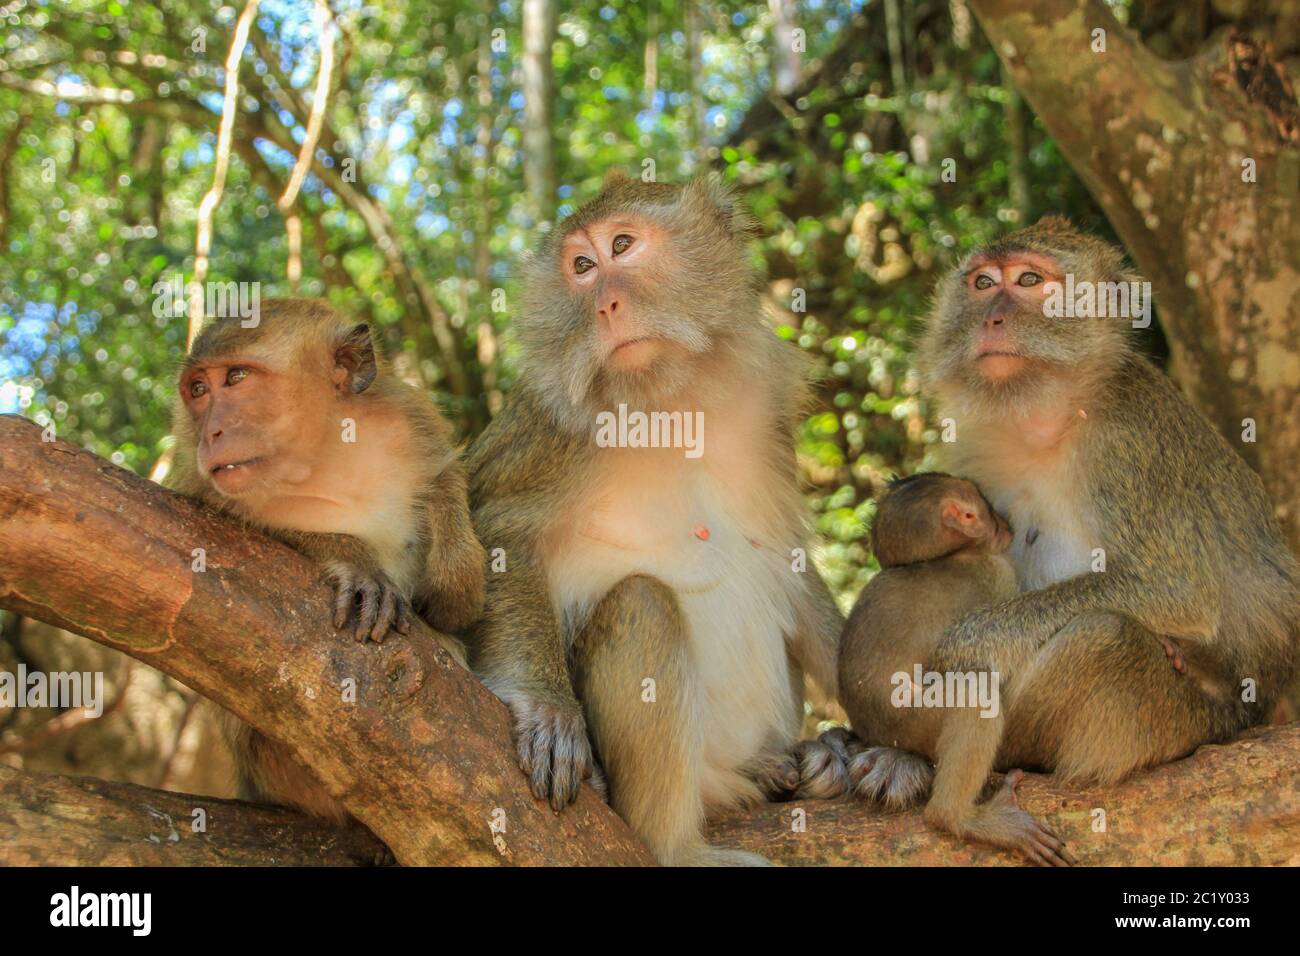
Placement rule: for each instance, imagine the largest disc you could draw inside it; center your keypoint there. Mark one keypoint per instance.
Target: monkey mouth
(235, 465)
(626, 343)
(633, 354)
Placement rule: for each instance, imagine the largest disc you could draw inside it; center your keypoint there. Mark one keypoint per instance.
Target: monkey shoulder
(521, 465)
(1161, 443)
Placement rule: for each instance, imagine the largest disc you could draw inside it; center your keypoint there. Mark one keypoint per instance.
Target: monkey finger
(564, 779)
(403, 623)
(387, 615)
(367, 609)
(344, 596)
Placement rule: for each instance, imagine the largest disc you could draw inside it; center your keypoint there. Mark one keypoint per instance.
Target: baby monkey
(942, 553)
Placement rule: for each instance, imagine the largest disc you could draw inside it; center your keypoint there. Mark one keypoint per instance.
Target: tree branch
(50, 820)
(422, 757)
(1229, 805)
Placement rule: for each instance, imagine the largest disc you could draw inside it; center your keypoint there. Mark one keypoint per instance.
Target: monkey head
(932, 515)
(250, 409)
(991, 338)
(628, 299)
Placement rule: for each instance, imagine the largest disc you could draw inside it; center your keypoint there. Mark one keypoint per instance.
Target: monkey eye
(198, 387)
(236, 375)
(621, 242)
(582, 264)
(983, 281)
(1029, 278)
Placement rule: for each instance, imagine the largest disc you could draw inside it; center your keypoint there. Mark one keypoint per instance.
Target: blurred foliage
(108, 118)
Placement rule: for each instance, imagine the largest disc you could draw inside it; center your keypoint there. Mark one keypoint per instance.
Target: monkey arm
(1004, 637)
(815, 641)
(518, 652)
(450, 593)
(325, 548)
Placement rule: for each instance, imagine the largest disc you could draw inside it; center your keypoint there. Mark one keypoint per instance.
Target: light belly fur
(736, 598)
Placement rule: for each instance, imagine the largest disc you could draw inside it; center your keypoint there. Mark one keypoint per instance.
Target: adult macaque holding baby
(1158, 604)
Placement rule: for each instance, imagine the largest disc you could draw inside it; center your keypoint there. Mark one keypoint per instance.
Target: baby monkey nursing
(942, 553)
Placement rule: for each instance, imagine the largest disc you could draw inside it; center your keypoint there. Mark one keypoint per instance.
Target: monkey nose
(607, 310)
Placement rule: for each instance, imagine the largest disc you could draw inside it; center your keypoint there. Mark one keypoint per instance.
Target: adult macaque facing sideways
(299, 427)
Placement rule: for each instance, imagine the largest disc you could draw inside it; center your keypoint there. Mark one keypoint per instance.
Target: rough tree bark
(51, 820)
(1233, 805)
(423, 757)
(1168, 150)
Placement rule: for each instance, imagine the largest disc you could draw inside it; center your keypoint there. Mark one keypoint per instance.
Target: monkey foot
(1002, 823)
(367, 603)
(1175, 655)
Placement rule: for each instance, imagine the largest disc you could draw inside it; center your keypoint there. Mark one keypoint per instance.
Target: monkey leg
(649, 743)
(967, 748)
(1101, 700)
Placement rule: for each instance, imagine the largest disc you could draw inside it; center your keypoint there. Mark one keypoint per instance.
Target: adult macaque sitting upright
(1140, 535)
(659, 583)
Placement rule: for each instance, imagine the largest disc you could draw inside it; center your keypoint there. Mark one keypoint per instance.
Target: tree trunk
(539, 93)
(1197, 165)
(422, 756)
(787, 62)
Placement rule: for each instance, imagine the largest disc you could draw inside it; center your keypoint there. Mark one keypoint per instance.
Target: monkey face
(257, 404)
(993, 333)
(237, 406)
(1005, 291)
(634, 294)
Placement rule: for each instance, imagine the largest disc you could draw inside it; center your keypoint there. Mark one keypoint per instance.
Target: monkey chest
(1052, 538)
(733, 583)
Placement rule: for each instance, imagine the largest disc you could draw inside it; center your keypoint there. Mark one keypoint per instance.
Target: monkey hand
(554, 752)
(367, 602)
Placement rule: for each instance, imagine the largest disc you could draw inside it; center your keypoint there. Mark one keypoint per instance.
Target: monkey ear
(713, 193)
(956, 514)
(355, 356)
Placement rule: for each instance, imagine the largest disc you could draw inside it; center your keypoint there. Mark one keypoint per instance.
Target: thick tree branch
(49, 820)
(422, 757)
(1230, 805)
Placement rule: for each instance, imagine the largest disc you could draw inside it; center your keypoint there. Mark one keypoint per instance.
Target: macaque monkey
(1136, 526)
(652, 600)
(942, 553)
(299, 427)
